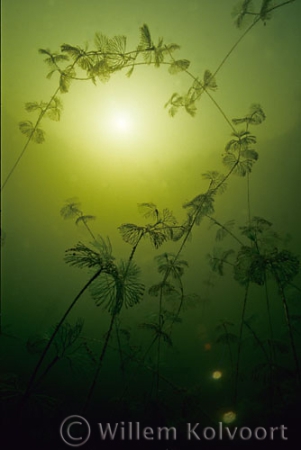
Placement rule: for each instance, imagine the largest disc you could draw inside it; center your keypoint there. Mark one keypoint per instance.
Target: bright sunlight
(122, 123)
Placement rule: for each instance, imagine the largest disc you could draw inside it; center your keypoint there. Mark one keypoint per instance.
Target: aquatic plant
(67, 345)
(75, 63)
(261, 258)
(115, 283)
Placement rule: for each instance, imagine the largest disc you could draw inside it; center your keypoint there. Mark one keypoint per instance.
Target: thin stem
(240, 342)
(269, 318)
(229, 347)
(120, 351)
(48, 368)
(56, 330)
(160, 325)
(99, 366)
(260, 344)
(105, 346)
(248, 197)
(89, 230)
(244, 35)
(225, 228)
(272, 347)
(289, 325)
(43, 112)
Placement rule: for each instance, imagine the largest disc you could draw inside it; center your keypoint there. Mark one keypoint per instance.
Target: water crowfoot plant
(144, 373)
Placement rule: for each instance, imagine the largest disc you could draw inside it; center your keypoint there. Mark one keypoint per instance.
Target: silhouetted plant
(110, 56)
(71, 210)
(116, 284)
(67, 345)
(227, 338)
(256, 262)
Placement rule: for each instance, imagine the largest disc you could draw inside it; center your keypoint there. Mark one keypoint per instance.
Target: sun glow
(122, 123)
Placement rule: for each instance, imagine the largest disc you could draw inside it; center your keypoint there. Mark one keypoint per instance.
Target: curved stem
(225, 228)
(57, 328)
(105, 346)
(99, 366)
(43, 112)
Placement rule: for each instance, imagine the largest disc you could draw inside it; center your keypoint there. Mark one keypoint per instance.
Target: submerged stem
(240, 342)
(56, 330)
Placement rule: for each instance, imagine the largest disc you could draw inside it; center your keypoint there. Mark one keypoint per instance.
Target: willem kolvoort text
(134, 431)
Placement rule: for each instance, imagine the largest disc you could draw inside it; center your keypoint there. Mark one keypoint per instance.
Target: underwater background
(150, 230)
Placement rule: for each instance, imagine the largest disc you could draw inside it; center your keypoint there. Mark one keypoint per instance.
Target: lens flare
(229, 417)
(217, 374)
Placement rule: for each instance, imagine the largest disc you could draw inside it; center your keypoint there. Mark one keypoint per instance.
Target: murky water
(150, 255)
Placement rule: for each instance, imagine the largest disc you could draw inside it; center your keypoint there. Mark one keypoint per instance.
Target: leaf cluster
(218, 259)
(245, 9)
(163, 228)
(52, 110)
(119, 287)
(32, 131)
(157, 331)
(238, 157)
(200, 206)
(188, 101)
(170, 265)
(82, 256)
(264, 257)
(217, 181)
(155, 54)
(66, 345)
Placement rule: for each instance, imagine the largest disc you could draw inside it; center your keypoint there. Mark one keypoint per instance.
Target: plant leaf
(179, 66)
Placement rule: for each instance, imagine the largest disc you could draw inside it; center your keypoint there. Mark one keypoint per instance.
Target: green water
(135, 290)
